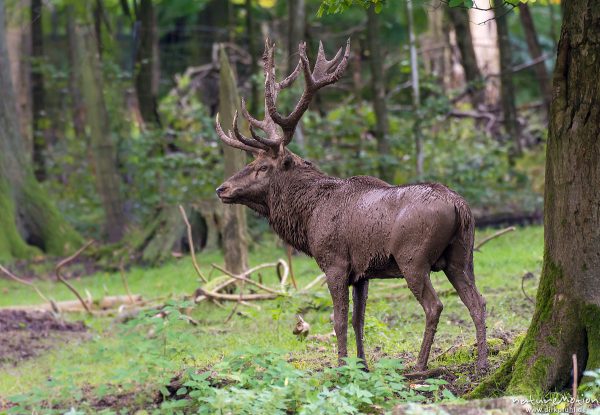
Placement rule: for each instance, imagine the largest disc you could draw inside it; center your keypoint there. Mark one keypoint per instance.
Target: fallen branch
(426, 374)
(64, 281)
(314, 282)
(289, 260)
(495, 235)
(124, 280)
(243, 277)
(75, 306)
(191, 241)
(22, 281)
(237, 297)
(523, 278)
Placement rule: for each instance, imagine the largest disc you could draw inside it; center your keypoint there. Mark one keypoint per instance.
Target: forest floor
(107, 365)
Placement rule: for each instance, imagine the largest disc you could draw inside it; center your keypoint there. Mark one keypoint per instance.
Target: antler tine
(290, 78)
(253, 121)
(226, 138)
(323, 74)
(339, 69)
(240, 137)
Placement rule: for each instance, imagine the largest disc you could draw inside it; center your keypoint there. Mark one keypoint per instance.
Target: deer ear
(288, 162)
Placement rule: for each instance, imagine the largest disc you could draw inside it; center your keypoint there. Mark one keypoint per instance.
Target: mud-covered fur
(362, 228)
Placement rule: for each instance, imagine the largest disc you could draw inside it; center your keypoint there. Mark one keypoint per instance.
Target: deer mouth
(227, 199)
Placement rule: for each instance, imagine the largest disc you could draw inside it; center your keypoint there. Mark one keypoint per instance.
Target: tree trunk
(18, 42)
(254, 99)
(104, 154)
(215, 15)
(234, 232)
(296, 33)
(536, 53)
(507, 90)
(414, 77)
(37, 91)
(28, 219)
(296, 30)
(485, 43)
(566, 320)
(459, 17)
(378, 90)
(77, 105)
(145, 63)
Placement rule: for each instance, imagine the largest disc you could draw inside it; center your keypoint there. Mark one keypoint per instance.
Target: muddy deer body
(357, 228)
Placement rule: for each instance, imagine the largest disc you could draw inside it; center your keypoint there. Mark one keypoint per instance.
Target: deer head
(250, 185)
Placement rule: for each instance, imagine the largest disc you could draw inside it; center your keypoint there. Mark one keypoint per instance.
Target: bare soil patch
(26, 334)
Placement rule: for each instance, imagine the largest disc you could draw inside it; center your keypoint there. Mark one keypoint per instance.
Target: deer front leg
(337, 283)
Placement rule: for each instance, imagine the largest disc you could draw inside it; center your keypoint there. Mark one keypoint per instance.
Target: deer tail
(465, 234)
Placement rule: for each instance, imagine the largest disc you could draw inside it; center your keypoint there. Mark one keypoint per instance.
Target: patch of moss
(590, 317)
(11, 244)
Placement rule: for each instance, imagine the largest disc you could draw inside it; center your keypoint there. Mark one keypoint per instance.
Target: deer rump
(371, 226)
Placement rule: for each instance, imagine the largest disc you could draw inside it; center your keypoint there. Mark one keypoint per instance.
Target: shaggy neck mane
(292, 198)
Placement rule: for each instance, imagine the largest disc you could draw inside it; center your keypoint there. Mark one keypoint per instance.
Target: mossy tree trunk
(567, 315)
(104, 155)
(29, 222)
(235, 240)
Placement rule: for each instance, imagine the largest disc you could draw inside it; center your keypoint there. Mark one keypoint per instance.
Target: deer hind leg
(420, 285)
(460, 273)
(338, 288)
(359, 297)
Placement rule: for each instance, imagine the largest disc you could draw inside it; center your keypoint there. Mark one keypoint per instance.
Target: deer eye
(263, 168)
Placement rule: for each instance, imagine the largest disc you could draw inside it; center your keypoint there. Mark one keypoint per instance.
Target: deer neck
(292, 199)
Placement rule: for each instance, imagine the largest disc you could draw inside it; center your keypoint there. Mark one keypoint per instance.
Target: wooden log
(76, 306)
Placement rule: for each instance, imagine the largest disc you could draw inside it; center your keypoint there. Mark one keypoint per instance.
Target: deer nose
(221, 189)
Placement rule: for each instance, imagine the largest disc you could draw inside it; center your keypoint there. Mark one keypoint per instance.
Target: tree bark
(234, 232)
(104, 155)
(76, 100)
(296, 31)
(378, 90)
(414, 76)
(37, 91)
(536, 53)
(146, 86)
(29, 221)
(566, 320)
(459, 17)
(214, 15)
(253, 57)
(507, 89)
(18, 40)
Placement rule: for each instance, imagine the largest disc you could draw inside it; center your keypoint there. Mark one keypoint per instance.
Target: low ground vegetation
(237, 363)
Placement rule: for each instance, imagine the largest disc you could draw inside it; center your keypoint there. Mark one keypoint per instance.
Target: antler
(325, 72)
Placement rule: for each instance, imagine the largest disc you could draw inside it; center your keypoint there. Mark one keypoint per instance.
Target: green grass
(134, 358)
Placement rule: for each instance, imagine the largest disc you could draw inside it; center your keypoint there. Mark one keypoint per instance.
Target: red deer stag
(358, 228)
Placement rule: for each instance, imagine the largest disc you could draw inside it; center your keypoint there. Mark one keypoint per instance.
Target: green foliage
(590, 389)
(254, 381)
(142, 356)
(180, 164)
(339, 6)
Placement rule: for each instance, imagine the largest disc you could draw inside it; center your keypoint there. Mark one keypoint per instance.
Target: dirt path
(26, 334)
